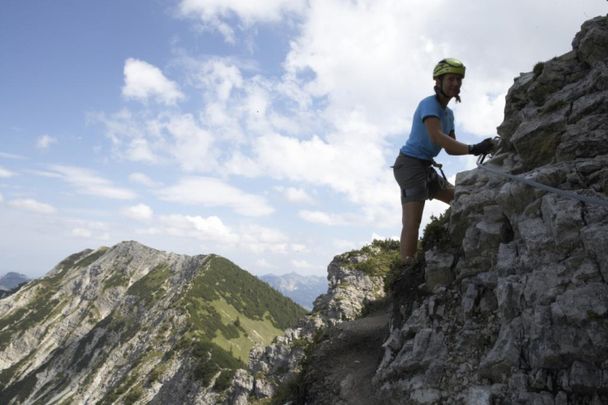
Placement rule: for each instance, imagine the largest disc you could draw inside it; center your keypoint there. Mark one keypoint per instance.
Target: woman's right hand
(482, 148)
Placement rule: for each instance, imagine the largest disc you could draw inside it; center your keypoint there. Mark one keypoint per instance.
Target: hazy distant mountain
(133, 325)
(12, 280)
(302, 289)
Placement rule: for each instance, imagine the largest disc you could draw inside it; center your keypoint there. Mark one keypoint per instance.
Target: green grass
(151, 286)
(380, 256)
(229, 311)
(69, 261)
(250, 331)
(90, 259)
(211, 359)
(117, 279)
(246, 293)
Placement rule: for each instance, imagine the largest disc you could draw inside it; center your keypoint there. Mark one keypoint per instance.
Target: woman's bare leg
(411, 217)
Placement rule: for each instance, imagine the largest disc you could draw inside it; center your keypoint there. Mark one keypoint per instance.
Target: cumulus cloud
(87, 182)
(144, 81)
(193, 226)
(29, 204)
(45, 141)
(139, 212)
(211, 192)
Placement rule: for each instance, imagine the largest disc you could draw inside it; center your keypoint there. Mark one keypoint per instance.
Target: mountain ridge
(134, 323)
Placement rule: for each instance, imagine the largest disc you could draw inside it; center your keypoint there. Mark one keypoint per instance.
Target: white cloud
(11, 156)
(357, 169)
(263, 263)
(192, 146)
(213, 13)
(383, 65)
(206, 229)
(1, 198)
(301, 264)
(167, 137)
(299, 248)
(138, 212)
(87, 182)
(260, 239)
(323, 218)
(143, 179)
(120, 126)
(296, 195)
(82, 233)
(4, 173)
(139, 150)
(94, 230)
(144, 81)
(45, 141)
(210, 192)
(30, 204)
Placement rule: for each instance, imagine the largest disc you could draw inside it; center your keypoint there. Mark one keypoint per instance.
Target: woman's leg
(446, 195)
(411, 217)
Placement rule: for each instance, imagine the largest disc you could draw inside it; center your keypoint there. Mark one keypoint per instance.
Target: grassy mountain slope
(135, 325)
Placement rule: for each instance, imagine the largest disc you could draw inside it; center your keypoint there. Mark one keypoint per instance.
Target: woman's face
(451, 84)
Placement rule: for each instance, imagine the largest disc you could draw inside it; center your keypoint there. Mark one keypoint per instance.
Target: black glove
(482, 148)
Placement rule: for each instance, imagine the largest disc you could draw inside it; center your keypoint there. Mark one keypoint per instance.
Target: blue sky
(261, 131)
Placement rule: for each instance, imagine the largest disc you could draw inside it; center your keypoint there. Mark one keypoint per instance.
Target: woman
(432, 130)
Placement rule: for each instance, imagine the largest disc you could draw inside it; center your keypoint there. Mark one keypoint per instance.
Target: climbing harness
(440, 167)
(532, 183)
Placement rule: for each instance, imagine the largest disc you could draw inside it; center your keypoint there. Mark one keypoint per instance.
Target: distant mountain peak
(12, 280)
(301, 288)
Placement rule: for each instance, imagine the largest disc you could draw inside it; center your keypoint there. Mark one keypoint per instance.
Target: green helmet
(448, 65)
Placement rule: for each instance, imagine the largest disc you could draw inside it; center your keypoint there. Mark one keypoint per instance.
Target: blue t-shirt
(419, 144)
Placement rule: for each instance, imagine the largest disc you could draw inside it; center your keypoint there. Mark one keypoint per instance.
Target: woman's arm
(438, 137)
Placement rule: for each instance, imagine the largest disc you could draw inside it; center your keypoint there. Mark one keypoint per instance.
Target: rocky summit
(509, 302)
(131, 324)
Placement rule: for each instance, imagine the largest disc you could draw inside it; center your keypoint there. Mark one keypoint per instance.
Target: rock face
(517, 310)
(350, 289)
(130, 324)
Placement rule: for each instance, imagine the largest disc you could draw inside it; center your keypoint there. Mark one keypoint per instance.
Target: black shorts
(417, 179)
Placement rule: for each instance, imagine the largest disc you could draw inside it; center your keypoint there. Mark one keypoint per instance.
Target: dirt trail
(345, 363)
